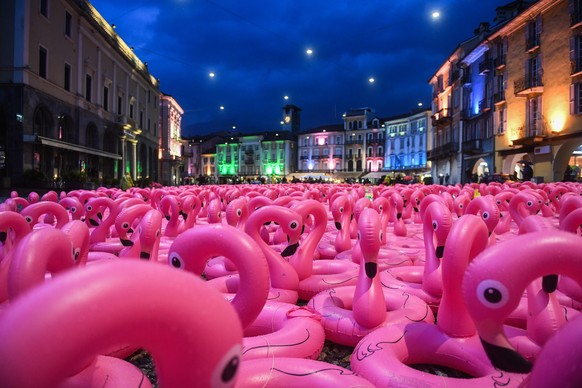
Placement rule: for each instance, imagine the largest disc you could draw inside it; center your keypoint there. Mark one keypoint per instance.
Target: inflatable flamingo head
(236, 212)
(340, 209)
(370, 239)
(214, 211)
(460, 203)
(361, 204)
(496, 279)
(125, 220)
(150, 231)
(488, 210)
(438, 219)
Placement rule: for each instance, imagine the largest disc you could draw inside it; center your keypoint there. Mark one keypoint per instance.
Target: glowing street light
(435, 15)
(211, 74)
(420, 104)
(222, 107)
(309, 51)
(286, 97)
(371, 80)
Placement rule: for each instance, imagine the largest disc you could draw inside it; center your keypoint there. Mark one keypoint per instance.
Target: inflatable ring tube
(328, 274)
(284, 330)
(296, 373)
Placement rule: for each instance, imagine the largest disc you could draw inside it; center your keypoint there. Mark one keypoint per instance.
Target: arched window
(43, 124)
(66, 130)
(92, 136)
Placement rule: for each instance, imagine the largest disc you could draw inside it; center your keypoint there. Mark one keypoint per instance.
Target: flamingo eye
(381, 207)
(341, 209)
(73, 209)
(227, 368)
(239, 212)
(529, 203)
(293, 225)
(499, 202)
(89, 208)
(492, 294)
(76, 254)
(175, 260)
(381, 235)
(485, 215)
(28, 219)
(460, 206)
(540, 201)
(435, 225)
(359, 236)
(125, 225)
(157, 233)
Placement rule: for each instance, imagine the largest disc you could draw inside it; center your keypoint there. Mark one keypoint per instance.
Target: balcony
(575, 19)
(532, 43)
(474, 146)
(466, 79)
(576, 67)
(337, 156)
(304, 157)
(467, 114)
(499, 98)
(442, 151)
(499, 62)
(485, 66)
(529, 85)
(441, 118)
(534, 134)
(484, 105)
(351, 142)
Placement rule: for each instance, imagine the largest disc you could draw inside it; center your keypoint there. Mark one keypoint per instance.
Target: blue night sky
(257, 49)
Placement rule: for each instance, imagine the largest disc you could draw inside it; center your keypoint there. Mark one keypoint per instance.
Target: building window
(155, 129)
(88, 87)
(68, 23)
(140, 119)
(42, 62)
(325, 152)
(131, 110)
(119, 104)
(105, 98)
(44, 8)
(67, 83)
(534, 117)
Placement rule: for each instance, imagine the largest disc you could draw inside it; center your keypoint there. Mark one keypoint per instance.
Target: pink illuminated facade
(321, 149)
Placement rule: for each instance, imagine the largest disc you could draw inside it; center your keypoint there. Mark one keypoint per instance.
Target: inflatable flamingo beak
(100, 216)
(168, 217)
(144, 255)
(371, 269)
(415, 209)
(550, 283)
(185, 216)
(126, 243)
(290, 250)
(93, 222)
(398, 216)
(3, 236)
(440, 251)
(506, 359)
(338, 226)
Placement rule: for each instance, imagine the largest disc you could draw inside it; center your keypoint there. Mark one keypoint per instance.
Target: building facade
(321, 150)
(406, 142)
(75, 101)
(358, 125)
(171, 159)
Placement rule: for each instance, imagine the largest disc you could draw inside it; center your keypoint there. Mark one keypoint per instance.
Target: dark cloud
(257, 50)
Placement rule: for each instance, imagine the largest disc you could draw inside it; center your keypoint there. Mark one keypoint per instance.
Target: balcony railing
(474, 146)
(575, 18)
(576, 66)
(485, 66)
(532, 42)
(484, 105)
(531, 134)
(337, 156)
(442, 151)
(442, 117)
(499, 97)
(528, 85)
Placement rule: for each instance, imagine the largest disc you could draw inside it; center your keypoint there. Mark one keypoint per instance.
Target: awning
(375, 175)
(305, 175)
(74, 147)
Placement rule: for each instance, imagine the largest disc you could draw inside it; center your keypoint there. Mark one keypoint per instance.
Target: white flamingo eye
(293, 225)
(239, 212)
(125, 225)
(381, 207)
(435, 225)
(485, 215)
(529, 203)
(341, 209)
(492, 294)
(89, 208)
(175, 260)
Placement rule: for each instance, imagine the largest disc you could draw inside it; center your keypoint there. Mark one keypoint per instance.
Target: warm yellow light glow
(557, 121)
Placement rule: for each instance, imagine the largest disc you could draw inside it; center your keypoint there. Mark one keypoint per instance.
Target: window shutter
(539, 24)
